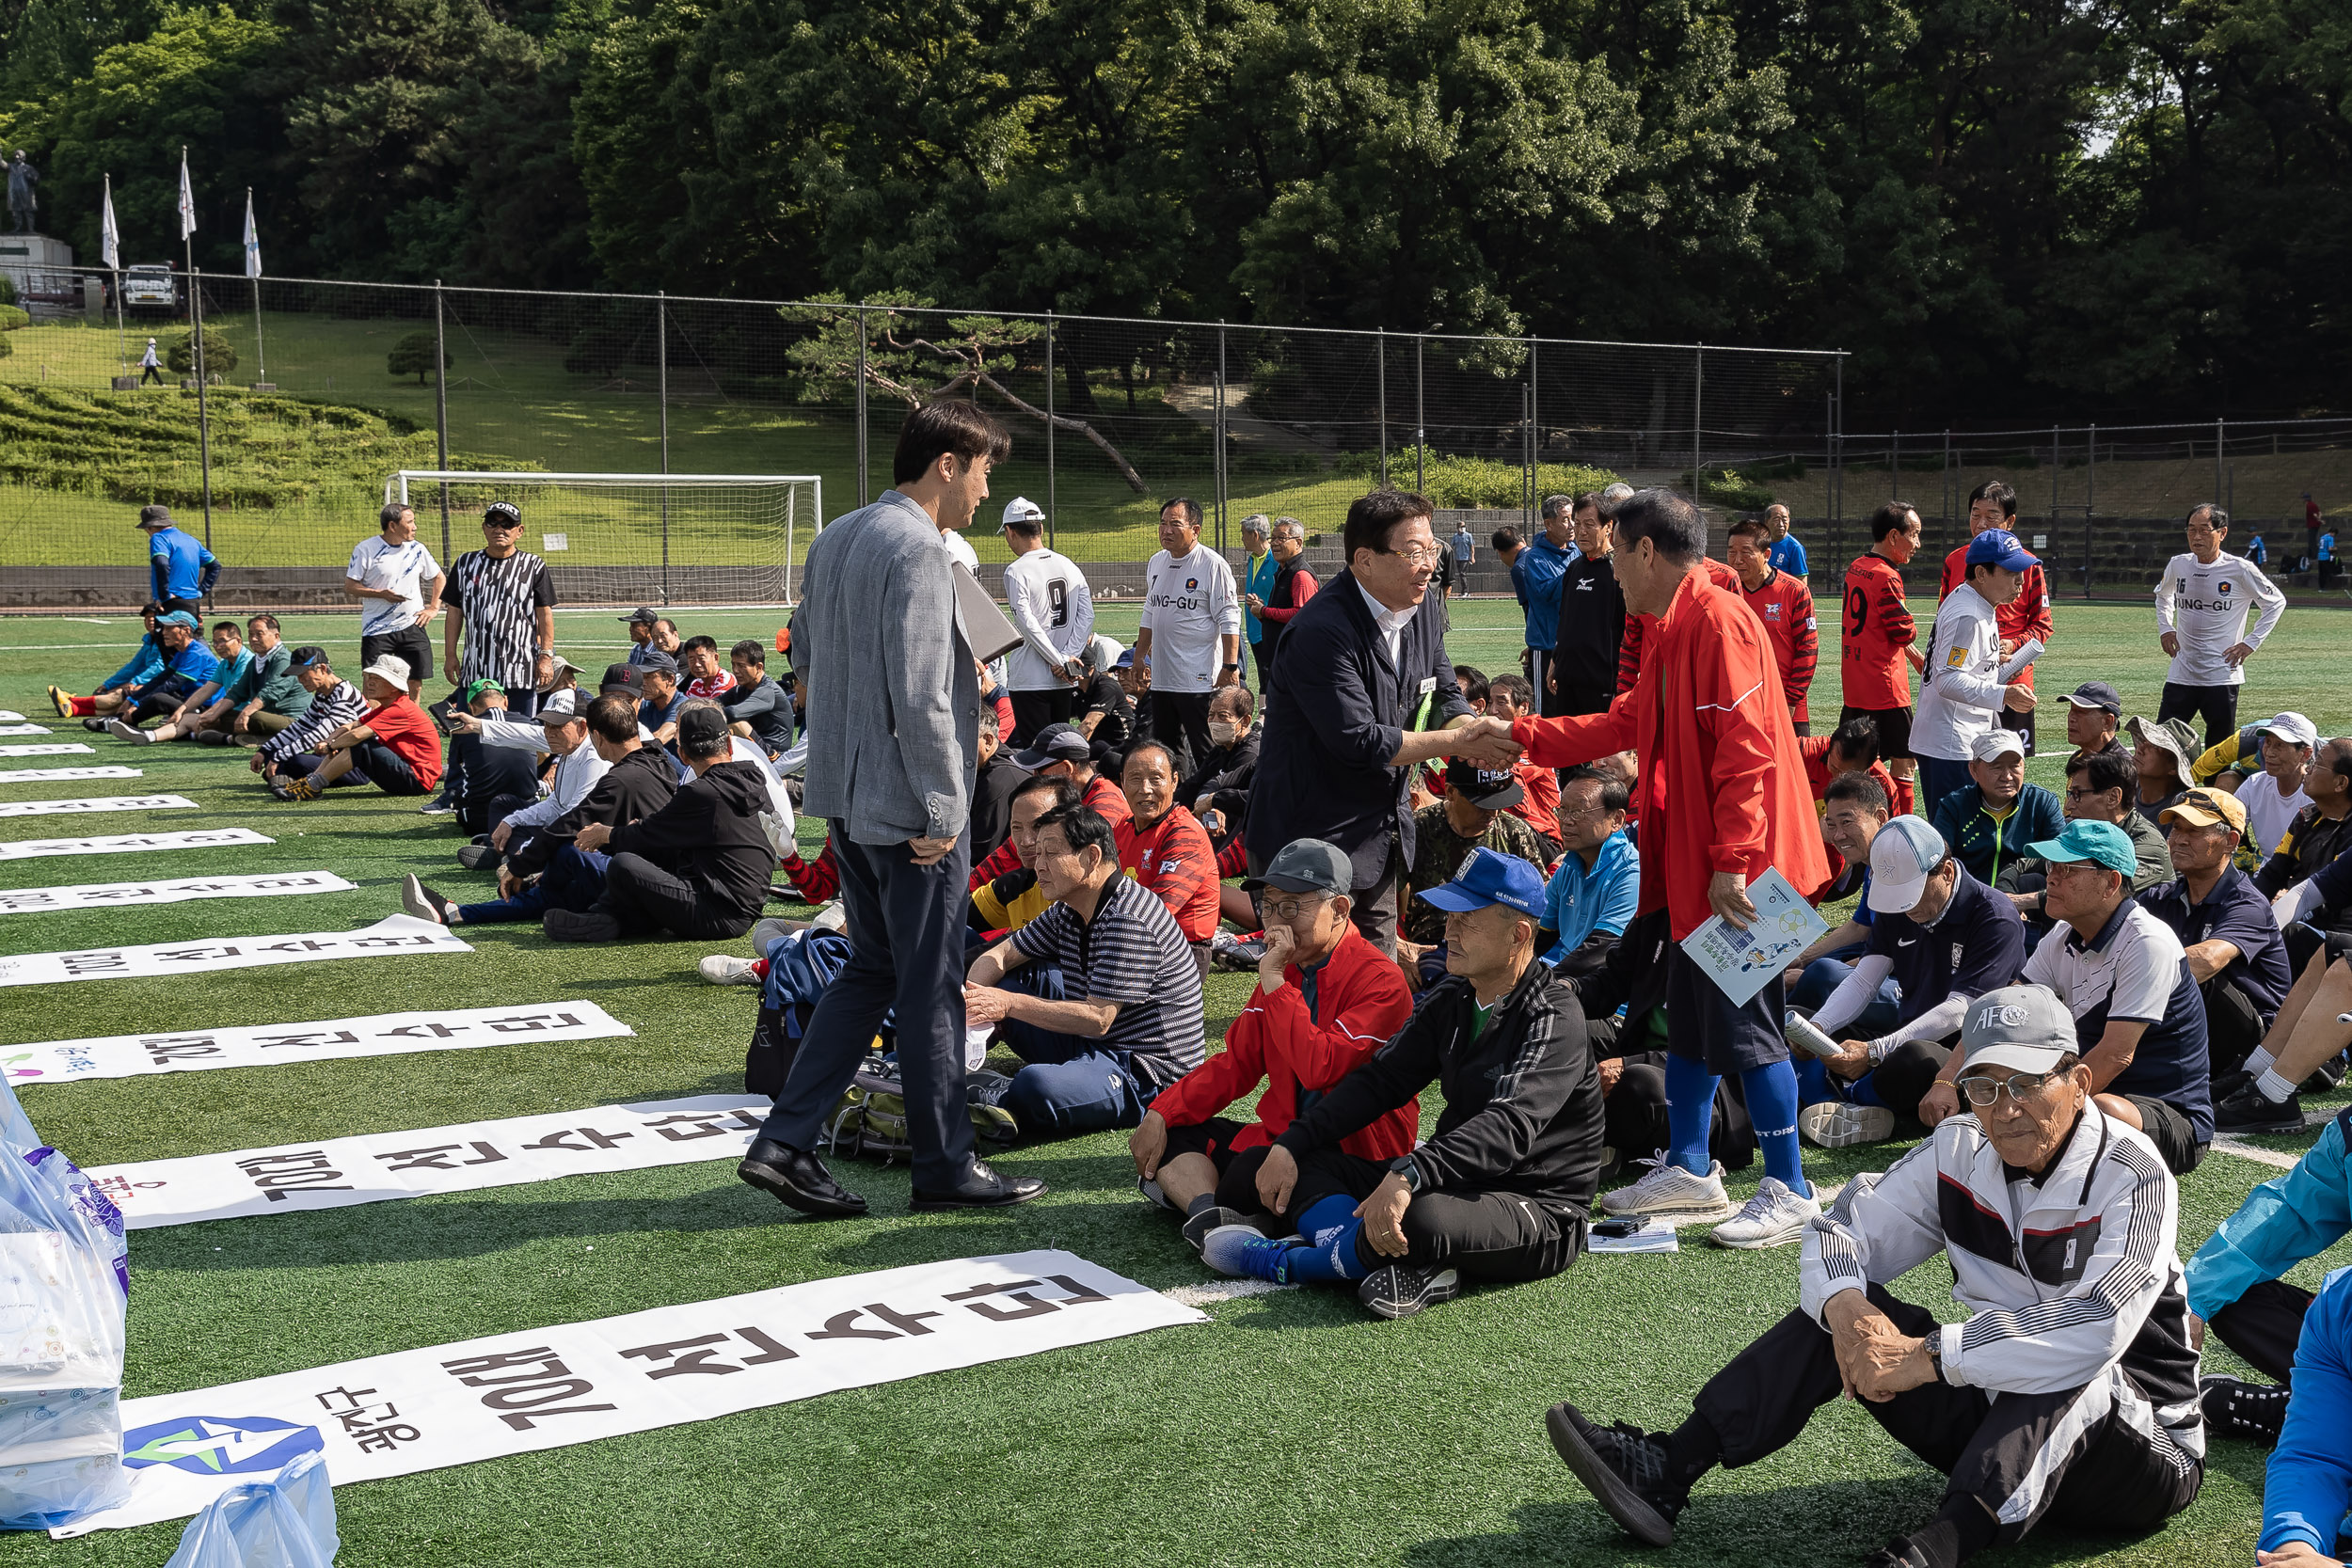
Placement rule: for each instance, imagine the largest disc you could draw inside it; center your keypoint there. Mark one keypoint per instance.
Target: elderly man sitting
(564, 718)
(1500, 1192)
(1989, 821)
(1325, 999)
(392, 745)
(183, 664)
(2070, 1393)
(1474, 814)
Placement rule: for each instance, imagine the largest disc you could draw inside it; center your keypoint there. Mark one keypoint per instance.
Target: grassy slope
(1292, 1429)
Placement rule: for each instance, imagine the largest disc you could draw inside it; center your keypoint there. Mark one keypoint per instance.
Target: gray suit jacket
(894, 702)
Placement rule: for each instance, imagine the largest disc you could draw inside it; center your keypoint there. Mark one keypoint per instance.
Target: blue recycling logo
(219, 1445)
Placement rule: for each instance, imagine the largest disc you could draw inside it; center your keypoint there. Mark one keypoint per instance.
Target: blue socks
(1331, 1227)
(1771, 1095)
(1690, 1113)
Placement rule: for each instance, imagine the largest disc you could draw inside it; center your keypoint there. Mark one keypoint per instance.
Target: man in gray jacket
(894, 713)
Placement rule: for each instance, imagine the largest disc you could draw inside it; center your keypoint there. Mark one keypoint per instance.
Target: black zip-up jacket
(638, 785)
(1522, 1101)
(710, 836)
(1592, 625)
(1224, 774)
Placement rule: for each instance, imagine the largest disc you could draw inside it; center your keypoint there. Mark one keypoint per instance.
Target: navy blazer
(1338, 710)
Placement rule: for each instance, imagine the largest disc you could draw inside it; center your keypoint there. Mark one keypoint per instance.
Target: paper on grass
(174, 890)
(63, 775)
(126, 844)
(48, 749)
(397, 934)
(96, 802)
(24, 729)
(1743, 962)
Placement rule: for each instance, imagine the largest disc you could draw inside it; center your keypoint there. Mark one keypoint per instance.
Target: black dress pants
(645, 897)
(2264, 1325)
(1500, 1237)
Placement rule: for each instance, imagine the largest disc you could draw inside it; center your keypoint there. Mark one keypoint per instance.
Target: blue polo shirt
(1787, 556)
(1536, 577)
(176, 562)
(2236, 912)
(1578, 902)
(1976, 945)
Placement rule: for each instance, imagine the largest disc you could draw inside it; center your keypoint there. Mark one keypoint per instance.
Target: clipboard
(985, 626)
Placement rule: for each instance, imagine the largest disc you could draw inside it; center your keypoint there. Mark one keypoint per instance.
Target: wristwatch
(1235, 665)
(1405, 1166)
(1935, 1351)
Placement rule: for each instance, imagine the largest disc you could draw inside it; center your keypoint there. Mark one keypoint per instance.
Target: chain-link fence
(314, 394)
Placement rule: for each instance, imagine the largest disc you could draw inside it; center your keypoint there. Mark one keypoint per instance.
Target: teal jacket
(2294, 1215)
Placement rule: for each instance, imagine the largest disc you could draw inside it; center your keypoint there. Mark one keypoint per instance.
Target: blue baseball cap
(179, 618)
(1997, 546)
(2101, 842)
(1486, 877)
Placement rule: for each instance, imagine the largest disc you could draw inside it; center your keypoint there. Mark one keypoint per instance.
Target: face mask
(1224, 735)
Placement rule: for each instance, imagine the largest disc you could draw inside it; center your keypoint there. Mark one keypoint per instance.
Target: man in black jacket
(699, 866)
(1365, 695)
(760, 708)
(1500, 1192)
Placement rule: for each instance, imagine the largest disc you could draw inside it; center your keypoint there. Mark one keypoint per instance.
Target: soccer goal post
(633, 539)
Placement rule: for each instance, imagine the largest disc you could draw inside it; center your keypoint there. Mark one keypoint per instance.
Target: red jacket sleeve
(1955, 569)
(1321, 1054)
(1222, 1079)
(1895, 621)
(1302, 589)
(1568, 742)
(818, 882)
(1734, 691)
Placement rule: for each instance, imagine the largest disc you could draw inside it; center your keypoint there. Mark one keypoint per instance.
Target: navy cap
(2098, 694)
(642, 616)
(1495, 791)
(1052, 744)
(654, 659)
(1997, 546)
(619, 678)
(1486, 877)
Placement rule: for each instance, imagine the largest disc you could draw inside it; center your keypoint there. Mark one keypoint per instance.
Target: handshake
(1486, 742)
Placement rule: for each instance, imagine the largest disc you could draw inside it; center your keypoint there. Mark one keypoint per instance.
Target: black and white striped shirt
(498, 601)
(1130, 953)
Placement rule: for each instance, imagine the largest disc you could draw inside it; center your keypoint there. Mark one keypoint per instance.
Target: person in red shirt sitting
(1877, 652)
(1164, 846)
(1994, 504)
(1511, 698)
(1326, 1000)
(1063, 750)
(393, 746)
(1785, 604)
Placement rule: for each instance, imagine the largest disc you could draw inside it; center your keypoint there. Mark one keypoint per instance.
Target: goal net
(635, 539)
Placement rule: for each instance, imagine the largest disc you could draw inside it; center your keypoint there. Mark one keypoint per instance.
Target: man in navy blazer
(1365, 693)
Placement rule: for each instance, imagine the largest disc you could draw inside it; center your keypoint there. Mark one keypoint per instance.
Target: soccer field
(1291, 1429)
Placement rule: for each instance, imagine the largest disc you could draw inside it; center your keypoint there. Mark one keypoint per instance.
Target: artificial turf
(1291, 1429)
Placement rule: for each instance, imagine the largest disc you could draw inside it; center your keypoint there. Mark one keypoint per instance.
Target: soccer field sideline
(1292, 1430)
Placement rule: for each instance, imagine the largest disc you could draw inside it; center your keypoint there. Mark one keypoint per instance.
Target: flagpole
(187, 241)
(112, 259)
(253, 270)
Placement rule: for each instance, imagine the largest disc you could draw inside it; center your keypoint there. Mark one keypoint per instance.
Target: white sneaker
(122, 731)
(1834, 1124)
(1773, 1217)
(1668, 1189)
(726, 969)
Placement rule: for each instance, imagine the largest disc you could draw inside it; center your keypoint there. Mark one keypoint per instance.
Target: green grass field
(1293, 1429)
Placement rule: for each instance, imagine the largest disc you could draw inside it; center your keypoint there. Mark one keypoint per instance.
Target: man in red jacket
(1326, 1000)
(1994, 504)
(1721, 798)
(1785, 604)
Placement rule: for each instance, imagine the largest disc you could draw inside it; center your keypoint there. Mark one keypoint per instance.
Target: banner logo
(219, 1445)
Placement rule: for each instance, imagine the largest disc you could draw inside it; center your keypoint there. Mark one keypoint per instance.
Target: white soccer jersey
(2207, 606)
(1960, 692)
(403, 569)
(1190, 605)
(1054, 611)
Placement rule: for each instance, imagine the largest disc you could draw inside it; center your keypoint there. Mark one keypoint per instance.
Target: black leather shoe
(798, 1181)
(981, 1188)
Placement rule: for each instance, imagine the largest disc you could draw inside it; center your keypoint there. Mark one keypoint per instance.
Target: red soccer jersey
(401, 725)
(1104, 797)
(1174, 859)
(2024, 617)
(1878, 626)
(1785, 604)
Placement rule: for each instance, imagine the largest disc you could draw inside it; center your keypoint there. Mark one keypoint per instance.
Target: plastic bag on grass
(285, 1521)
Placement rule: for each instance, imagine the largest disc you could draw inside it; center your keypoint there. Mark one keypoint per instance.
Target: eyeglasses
(1416, 554)
(1980, 1091)
(1289, 909)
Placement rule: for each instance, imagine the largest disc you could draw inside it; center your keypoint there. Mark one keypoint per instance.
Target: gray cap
(2173, 736)
(2023, 1028)
(1305, 865)
(654, 660)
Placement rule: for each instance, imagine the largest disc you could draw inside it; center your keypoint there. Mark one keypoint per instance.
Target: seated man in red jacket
(1164, 846)
(1326, 1000)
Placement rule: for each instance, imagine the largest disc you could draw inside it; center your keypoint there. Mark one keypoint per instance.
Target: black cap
(641, 616)
(654, 659)
(1486, 791)
(702, 732)
(1052, 744)
(1305, 865)
(2098, 694)
(305, 657)
(505, 513)
(620, 678)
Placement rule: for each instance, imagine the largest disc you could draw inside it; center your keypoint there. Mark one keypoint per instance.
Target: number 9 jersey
(1875, 629)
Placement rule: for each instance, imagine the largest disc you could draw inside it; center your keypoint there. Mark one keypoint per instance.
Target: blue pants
(573, 880)
(1071, 1085)
(1939, 777)
(1824, 975)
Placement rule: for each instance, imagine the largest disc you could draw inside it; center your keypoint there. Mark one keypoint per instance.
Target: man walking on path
(1190, 634)
(1054, 611)
(893, 779)
(2201, 604)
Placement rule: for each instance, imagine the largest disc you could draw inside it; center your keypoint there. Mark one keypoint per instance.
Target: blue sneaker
(1244, 1252)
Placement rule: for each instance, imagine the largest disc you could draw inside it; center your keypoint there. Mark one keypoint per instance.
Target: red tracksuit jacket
(1638, 627)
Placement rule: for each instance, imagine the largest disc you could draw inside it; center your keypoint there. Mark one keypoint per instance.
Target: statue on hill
(22, 204)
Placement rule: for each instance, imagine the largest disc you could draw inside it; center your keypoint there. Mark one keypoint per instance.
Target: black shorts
(1894, 729)
(1213, 1137)
(1704, 1025)
(2167, 1127)
(411, 644)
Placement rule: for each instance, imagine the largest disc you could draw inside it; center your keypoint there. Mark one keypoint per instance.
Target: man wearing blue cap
(1961, 695)
(1502, 1189)
(2139, 1019)
(186, 664)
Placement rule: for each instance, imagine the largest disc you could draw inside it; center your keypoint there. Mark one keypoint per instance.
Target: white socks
(2274, 1087)
(2258, 1062)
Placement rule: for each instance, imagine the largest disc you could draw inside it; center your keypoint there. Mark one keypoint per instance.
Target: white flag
(187, 199)
(109, 237)
(253, 239)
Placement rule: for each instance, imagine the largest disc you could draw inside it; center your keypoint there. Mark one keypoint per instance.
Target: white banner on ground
(511, 1152)
(263, 1044)
(24, 729)
(124, 843)
(47, 749)
(96, 802)
(105, 895)
(551, 1387)
(61, 775)
(9, 716)
(396, 934)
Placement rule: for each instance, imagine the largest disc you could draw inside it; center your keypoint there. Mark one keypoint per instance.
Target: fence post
(863, 498)
(661, 395)
(2054, 478)
(1421, 417)
(1219, 429)
(1535, 418)
(203, 408)
(2091, 502)
(1698, 407)
(2220, 435)
(440, 406)
(1949, 501)
(1893, 464)
(1051, 541)
(1380, 347)
(1836, 440)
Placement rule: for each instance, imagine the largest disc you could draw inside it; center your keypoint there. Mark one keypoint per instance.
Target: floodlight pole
(441, 405)
(661, 371)
(1050, 541)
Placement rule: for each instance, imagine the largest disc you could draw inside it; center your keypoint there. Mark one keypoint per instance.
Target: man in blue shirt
(658, 712)
(1593, 896)
(185, 664)
(1945, 939)
(2308, 1490)
(181, 570)
(234, 660)
(1536, 574)
(2229, 936)
(1784, 553)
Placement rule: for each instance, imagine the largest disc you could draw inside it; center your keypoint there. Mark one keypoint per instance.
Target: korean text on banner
(107, 896)
(397, 934)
